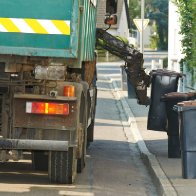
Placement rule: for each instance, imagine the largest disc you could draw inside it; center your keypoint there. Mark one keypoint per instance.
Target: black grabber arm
(133, 66)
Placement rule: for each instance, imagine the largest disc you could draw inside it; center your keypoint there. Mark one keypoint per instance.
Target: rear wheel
(90, 129)
(81, 160)
(62, 166)
(90, 132)
(82, 134)
(39, 160)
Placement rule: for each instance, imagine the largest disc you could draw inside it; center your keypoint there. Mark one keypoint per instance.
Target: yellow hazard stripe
(35, 26)
(62, 26)
(9, 25)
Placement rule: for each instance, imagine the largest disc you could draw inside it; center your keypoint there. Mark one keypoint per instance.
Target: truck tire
(90, 129)
(62, 166)
(39, 160)
(81, 161)
(83, 130)
(90, 132)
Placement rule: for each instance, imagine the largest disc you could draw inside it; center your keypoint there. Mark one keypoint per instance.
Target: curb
(161, 181)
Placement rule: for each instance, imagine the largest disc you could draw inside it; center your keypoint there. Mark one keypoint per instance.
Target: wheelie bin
(170, 100)
(187, 119)
(163, 81)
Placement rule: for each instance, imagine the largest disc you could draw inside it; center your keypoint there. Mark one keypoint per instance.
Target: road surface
(113, 165)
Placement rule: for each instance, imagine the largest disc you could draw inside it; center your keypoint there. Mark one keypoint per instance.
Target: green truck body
(48, 28)
(47, 83)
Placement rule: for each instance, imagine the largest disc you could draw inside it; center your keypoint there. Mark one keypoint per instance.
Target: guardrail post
(153, 65)
(161, 63)
(123, 78)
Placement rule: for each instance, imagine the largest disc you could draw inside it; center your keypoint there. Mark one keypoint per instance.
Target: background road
(113, 165)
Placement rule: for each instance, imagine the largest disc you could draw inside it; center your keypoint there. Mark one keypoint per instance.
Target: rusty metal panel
(34, 144)
(44, 97)
(40, 121)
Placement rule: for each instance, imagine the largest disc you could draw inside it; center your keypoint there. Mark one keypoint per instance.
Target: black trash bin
(130, 85)
(187, 120)
(170, 100)
(163, 81)
(131, 90)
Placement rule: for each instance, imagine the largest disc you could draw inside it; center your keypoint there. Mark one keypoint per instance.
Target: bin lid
(179, 96)
(165, 72)
(191, 103)
(185, 105)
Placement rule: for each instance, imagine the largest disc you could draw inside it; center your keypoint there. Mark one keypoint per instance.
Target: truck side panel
(88, 30)
(39, 27)
(60, 28)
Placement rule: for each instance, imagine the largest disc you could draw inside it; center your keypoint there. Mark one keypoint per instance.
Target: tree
(134, 11)
(158, 10)
(187, 13)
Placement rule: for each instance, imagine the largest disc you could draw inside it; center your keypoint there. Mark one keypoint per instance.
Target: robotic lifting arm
(133, 63)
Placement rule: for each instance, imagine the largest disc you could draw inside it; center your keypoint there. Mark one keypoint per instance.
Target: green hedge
(186, 9)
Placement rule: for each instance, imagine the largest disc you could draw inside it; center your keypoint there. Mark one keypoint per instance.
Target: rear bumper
(24, 144)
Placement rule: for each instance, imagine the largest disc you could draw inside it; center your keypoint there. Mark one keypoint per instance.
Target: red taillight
(69, 91)
(47, 108)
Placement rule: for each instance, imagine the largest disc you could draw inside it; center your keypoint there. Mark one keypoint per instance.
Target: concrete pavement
(153, 146)
(167, 172)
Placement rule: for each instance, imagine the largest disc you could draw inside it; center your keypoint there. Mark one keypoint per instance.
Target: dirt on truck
(48, 80)
(47, 83)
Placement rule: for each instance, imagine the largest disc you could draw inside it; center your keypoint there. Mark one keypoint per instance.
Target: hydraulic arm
(133, 63)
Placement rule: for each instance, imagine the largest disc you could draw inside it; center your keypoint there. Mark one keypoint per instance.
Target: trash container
(170, 100)
(131, 90)
(129, 84)
(187, 119)
(163, 81)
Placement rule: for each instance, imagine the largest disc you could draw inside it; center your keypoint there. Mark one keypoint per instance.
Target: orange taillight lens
(47, 108)
(69, 91)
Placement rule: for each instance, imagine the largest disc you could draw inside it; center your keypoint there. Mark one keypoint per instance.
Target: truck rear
(47, 83)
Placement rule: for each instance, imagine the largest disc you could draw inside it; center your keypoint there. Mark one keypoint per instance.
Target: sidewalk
(166, 172)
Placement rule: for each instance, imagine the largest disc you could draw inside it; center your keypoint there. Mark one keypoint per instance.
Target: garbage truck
(47, 83)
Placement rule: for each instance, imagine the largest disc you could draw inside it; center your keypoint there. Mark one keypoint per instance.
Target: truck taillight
(47, 108)
(69, 91)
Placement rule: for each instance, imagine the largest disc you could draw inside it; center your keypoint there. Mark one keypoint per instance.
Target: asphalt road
(113, 165)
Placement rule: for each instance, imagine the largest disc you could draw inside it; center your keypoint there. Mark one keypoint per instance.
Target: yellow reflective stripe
(35, 25)
(9, 25)
(62, 26)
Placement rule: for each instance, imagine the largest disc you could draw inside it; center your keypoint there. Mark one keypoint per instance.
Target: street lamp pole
(142, 32)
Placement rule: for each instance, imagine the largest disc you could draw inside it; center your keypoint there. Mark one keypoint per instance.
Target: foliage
(157, 10)
(134, 11)
(165, 63)
(154, 40)
(187, 13)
